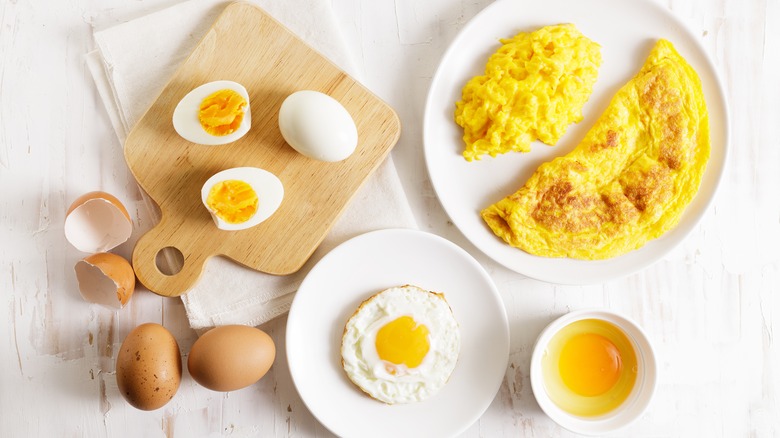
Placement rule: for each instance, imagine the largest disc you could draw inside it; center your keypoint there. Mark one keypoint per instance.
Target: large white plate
(363, 266)
(626, 31)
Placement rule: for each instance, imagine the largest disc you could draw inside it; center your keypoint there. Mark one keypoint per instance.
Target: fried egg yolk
(402, 342)
(221, 112)
(590, 364)
(233, 201)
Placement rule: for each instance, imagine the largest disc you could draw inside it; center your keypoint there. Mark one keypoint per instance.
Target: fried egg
(242, 197)
(401, 345)
(628, 181)
(534, 87)
(214, 113)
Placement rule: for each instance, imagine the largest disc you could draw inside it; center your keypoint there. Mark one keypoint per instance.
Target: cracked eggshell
(97, 222)
(106, 279)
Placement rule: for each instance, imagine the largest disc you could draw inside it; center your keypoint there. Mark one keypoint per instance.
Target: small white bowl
(639, 398)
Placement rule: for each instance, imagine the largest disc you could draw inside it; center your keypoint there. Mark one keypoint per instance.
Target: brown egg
(148, 367)
(231, 357)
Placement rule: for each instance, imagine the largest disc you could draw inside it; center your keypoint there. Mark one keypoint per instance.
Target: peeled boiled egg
(106, 279)
(97, 222)
(231, 357)
(589, 367)
(242, 197)
(318, 126)
(148, 367)
(214, 113)
(401, 345)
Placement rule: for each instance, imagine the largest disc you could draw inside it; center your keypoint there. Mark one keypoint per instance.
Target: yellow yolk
(590, 364)
(403, 341)
(233, 201)
(589, 367)
(221, 112)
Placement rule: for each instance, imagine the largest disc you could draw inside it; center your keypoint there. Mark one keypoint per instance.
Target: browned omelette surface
(630, 178)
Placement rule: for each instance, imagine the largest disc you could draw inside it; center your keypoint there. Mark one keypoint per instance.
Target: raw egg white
(318, 126)
(589, 368)
(215, 113)
(242, 197)
(401, 345)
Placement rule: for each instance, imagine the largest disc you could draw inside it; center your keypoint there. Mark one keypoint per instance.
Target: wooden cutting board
(248, 46)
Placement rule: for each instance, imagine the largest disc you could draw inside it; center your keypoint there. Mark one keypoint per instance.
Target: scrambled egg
(534, 87)
(630, 178)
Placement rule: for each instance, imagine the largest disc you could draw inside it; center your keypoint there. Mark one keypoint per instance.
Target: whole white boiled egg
(242, 197)
(318, 126)
(214, 113)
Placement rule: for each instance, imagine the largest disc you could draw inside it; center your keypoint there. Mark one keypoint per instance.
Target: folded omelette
(630, 178)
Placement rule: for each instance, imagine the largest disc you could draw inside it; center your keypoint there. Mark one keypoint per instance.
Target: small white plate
(368, 264)
(626, 31)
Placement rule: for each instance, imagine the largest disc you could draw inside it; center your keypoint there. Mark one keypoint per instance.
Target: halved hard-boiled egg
(97, 222)
(214, 113)
(242, 197)
(401, 345)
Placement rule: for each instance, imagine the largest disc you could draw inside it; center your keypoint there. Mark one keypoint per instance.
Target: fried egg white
(401, 345)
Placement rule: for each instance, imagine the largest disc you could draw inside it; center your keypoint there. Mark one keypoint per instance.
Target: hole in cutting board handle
(169, 260)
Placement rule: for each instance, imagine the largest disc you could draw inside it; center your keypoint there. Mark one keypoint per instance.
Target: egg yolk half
(233, 201)
(402, 342)
(590, 364)
(221, 112)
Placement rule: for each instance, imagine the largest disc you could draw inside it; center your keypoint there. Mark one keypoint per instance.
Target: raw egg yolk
(221, 112)
(590, 364)
(403, 341)
(232, 200)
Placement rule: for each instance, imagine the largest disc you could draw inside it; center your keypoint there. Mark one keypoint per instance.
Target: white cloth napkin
(132, 63)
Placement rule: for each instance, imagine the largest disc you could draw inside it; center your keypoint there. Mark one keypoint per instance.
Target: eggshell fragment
(148, 367)
(97, 222)
(106, 279)
(231, 357)
(318, 126)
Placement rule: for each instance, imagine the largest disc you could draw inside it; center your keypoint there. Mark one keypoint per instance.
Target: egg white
(185, 116)
(317, 126)
(363, 365)
(267, 186)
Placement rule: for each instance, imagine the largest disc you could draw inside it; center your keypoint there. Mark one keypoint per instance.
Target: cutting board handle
(158, 249)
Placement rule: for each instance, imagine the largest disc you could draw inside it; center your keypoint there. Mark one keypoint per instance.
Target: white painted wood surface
(712, 307)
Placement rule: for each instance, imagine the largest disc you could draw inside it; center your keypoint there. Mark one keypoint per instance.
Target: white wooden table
(712, 307)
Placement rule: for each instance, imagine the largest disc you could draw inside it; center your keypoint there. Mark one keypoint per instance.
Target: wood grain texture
(248, 46)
